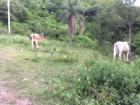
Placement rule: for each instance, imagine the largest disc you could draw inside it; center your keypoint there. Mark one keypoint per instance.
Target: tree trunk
(72, 25)
(130, 37)
(82, 27)
(130, 33)
(9, 28)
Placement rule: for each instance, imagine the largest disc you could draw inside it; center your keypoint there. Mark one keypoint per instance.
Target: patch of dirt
(7, 53)
(10, 96)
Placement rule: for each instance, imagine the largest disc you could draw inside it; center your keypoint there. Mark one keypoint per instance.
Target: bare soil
(8, 95)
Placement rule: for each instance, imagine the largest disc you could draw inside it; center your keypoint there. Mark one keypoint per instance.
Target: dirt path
(10, 96)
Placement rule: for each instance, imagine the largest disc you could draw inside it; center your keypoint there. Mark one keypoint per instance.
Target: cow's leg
(127, 56)
(114, 53)
(36, 45)
(32, 44)
(120, 55)
(124, 56)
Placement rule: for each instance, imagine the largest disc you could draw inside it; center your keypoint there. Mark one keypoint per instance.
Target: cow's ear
(42, 34)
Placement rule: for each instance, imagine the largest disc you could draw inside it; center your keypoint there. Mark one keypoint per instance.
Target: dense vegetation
(100, 19)
(86, 25)
(101, 83)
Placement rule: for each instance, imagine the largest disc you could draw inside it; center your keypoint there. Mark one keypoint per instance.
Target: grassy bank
(32, 70)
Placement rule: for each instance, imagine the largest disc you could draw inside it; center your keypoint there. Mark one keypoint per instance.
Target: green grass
(32, 71)
(54, 69)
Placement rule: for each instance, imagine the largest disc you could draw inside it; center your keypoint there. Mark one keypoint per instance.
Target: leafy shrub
(103, 83)
(19, 28)
(136, 44)
(3, 31)
(64, 37)
(37, 26)
(17, 39)
(44, 43)
(20, 40)
(65, 59)
(106, 48)
(36, 58)
(84, 41)
(4, 39)
(112, 81)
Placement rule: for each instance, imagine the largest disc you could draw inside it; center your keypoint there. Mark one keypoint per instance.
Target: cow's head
(42, 35)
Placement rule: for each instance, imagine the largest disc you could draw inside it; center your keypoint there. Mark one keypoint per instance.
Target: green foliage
(85, 79)
(65, 59)
(17, 39)
(84, 41)
(109, 24)
(106, 48)
(18, 11)
(71, 7)
(20, 40)
(22, 29)
(3, 11)
(36, 58)
(136, 44)
(102, 83)
(3, 29)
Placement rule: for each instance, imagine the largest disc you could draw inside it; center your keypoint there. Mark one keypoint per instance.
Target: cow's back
(122, 46)
(126, 46)
(34, 36)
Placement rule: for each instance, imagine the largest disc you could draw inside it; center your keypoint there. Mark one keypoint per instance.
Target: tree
(8, 5)
(128, 13)
(82, 25)
(3, 12)
(71, 10)
(103, 24)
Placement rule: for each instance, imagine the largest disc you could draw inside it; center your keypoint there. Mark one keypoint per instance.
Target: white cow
(121, 48)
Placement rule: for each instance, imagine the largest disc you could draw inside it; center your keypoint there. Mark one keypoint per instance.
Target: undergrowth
(102, 83)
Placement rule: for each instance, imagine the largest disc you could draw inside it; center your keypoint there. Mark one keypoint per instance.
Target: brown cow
(35, 38)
